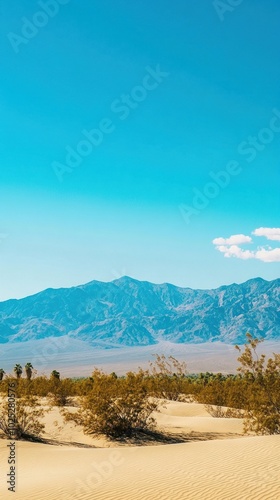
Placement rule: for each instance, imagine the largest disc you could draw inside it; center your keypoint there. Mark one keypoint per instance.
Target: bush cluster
(122, 406)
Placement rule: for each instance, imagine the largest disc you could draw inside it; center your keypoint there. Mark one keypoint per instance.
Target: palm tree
(28, 370)
(18, 370)
(55, 374)
(2, 373)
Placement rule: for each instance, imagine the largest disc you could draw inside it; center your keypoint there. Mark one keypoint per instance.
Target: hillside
(127, 312)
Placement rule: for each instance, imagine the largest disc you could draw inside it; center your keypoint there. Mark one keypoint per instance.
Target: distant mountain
(127, 312)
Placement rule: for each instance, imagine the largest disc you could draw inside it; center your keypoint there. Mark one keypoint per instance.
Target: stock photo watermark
(223, 7)
(122, 107)
(31, 27)
(250, 148)
(12, 426)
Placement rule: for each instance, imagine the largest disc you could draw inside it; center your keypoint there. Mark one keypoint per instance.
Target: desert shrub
(34, 386)
(262, 382)
(215, 411)
(166, 378)
(235, 392)
(84, 386)
(61, 391)
(212, 393)
(228, 390)
(23, 422)
(115, 407)
(22, 385)
(221, 412)
(39, 386)
(4, 386)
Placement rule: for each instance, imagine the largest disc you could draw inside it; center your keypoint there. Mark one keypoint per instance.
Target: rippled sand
(227, 467)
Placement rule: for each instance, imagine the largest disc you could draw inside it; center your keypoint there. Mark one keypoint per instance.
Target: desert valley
(140, 250)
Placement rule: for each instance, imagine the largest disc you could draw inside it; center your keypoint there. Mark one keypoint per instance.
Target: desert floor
(75, 358)
(213, 461)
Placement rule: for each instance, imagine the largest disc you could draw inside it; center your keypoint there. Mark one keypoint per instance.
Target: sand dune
(244, 468)
(186, 418)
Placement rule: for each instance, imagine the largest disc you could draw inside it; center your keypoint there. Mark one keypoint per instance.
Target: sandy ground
(226, 467)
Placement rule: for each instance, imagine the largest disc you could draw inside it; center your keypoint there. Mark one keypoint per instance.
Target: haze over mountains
(127, 312)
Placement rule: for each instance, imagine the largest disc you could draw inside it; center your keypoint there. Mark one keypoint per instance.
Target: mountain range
(127, 312)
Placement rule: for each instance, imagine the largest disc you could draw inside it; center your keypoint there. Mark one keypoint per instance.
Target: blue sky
(175, 92)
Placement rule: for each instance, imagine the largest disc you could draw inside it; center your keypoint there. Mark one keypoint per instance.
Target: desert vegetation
(115, 407)
(262, 381)
(122, 406)
(24, 421)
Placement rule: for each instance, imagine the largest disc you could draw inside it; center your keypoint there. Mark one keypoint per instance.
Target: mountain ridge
(129, 312)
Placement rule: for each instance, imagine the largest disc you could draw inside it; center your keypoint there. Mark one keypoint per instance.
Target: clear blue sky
(125, 209)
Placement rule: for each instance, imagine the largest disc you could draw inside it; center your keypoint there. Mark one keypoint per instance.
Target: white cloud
(271, 233)
(230, 246)
(271, 255)
(236, 239)
(235, 251)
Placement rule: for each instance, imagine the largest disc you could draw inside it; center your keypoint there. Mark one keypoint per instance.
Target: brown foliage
(115, 407)
(166, 378)
(25, 417)
(262, 379)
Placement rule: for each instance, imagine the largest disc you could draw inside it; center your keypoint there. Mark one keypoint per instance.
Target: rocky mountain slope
(127, 312)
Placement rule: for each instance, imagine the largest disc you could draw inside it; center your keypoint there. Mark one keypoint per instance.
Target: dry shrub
(262, 379)
(115, 407)
(167, 378)
(26, 416)
(61, 392)
(220, 412)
